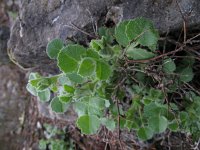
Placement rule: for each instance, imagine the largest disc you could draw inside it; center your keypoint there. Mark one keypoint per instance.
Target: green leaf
(68, 89)
(83, 91)
(66, 63)
(54, 47)
(96, 105)
(103, 70)
(57, 106)
(43, 144)
(54, 88)
(89, 124)
(44, 95)
(63, 80)
(158, 124)
(139, 54)
(75, 51)
(97, 44)
(109, 123)
(69, 57)
(145, 133)
(106, 52)
(87, 67)
(74, 77)
(186, 74)
(33, 76)
(131, 125)
(173, 126)
(43, 84)
(31, 89)
(58, 144)
(92, 53)
(35, 82)
(142, 31)
(169, 66)
(80, 108)
(120, 33)
(154, 109)
(155, 94)
(91, 106)
(107, 33)
(65, 99)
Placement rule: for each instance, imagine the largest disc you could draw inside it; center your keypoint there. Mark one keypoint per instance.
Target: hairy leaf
(109, 123)
(145, 133)
(87, 67)
(74, 77)
(57, 106)
(139, 54)
(142, 31)
(169, 66)
(44, 95)
(103, 70)
(158, 124)
(186, 74)
(31, 89)
(69, 57)
(54, 47)
(120, 33)
(89, 124)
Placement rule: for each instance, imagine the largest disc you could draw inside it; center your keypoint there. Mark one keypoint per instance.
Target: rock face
(43, 20)
(166, 15)
(4, 34)
(13, 100)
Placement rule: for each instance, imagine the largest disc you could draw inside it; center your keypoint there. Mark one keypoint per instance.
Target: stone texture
(4, 34)
(13, 100)
(166, 14)
(43, 20)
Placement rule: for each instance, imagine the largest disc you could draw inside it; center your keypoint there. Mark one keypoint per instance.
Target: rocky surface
(13, 101)
(167, 15)
(4, 34)
(44, 20)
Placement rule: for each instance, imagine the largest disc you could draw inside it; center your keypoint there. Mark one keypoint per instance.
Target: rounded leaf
(145, 133)
(169, 66)
(89, 124)
(173, 126)
(54, 47)
(66, 63)
(109, 123)
(103, 70)
(142, 31)
(186, 74)
(120, 33)
(158, 124)
(44, 95)
(69, 57)
(57, 106)
(87, 67)
(74, 77)
(139, 53)
(31, 89)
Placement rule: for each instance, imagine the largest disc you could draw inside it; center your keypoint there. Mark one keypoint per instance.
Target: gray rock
(43, 20)
(4, 33)
(166, 15)
(13, 100)
(4, 37)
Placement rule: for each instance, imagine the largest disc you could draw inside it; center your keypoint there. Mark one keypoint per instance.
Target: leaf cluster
(93, 78)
